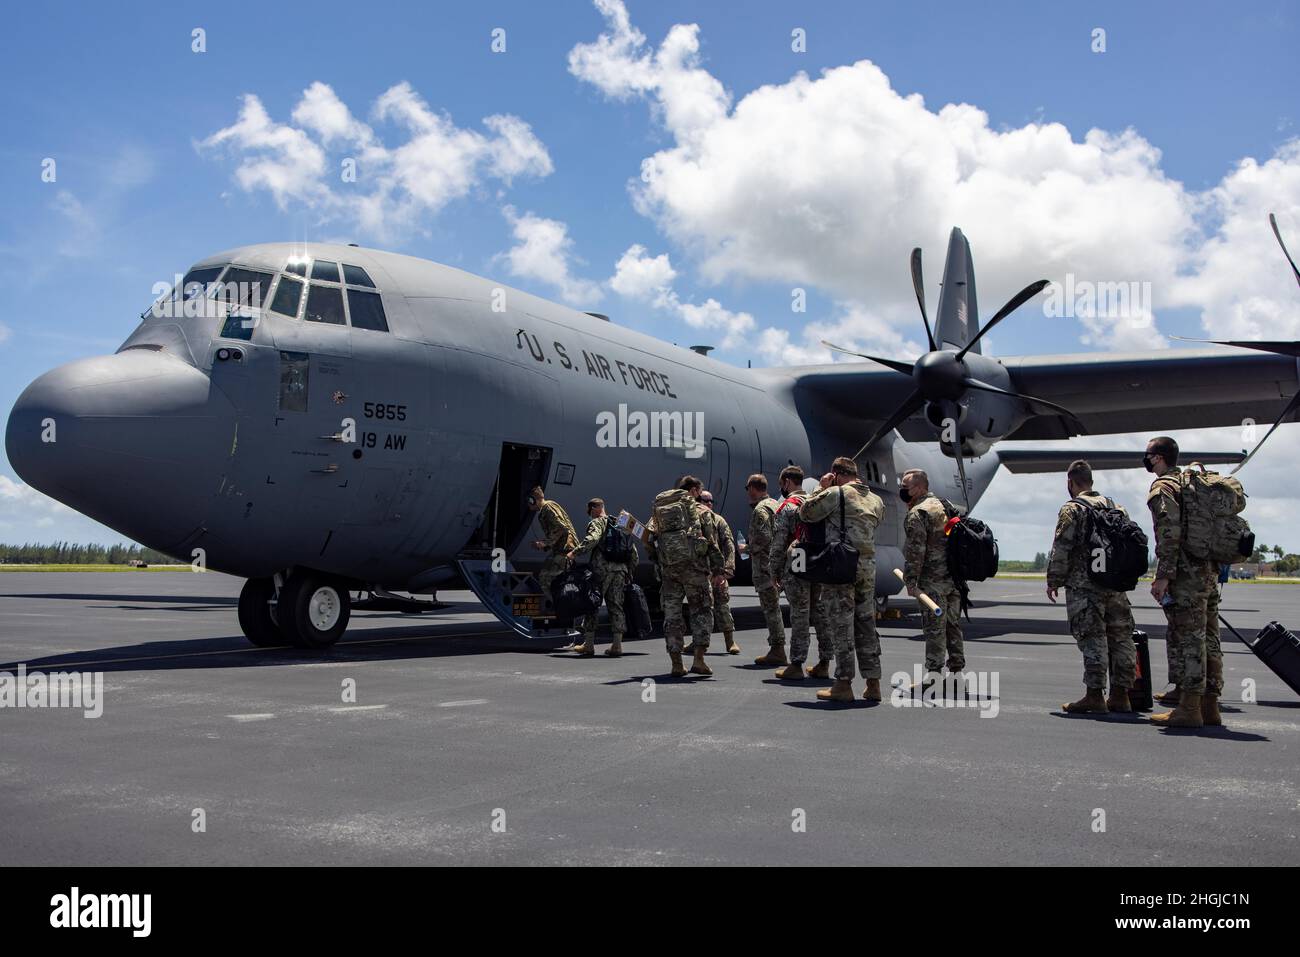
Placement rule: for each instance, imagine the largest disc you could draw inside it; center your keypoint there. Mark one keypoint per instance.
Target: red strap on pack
(949, 525)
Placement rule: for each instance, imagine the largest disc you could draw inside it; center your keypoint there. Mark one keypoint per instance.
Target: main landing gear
(309, 610)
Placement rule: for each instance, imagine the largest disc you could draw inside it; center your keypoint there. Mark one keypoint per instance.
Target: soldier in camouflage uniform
(758, 548)
(1183, 586)
(863, 510)
(1100, 620)
(558, 539)
(925, 569)
(613, 577)
(690, 563)
(804, 597)
(722, 620)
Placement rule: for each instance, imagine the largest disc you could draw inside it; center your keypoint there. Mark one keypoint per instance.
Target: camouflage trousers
(769, 599)
(805, 610)
(552, 568)
(942, 634)
(866, 643)
(722, 620)
(613, 582)
(837, 621)
(1187, 633)
(689, 584)
(1102, 625)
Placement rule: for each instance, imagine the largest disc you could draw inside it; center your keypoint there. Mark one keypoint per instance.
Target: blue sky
(117, 97)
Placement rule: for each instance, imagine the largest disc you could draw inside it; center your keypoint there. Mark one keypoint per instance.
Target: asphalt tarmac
(466, 744)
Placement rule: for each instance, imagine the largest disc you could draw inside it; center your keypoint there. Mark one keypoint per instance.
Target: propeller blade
(1279, 348)
(1272, 221)
(1014, 303)
(919, 286)
(1295, 401)
(961, 470)
(1038, 406)
(903, 367)
(910, 405)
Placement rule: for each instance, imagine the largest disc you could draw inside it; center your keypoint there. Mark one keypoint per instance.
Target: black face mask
(905, 496)
(1148, 463)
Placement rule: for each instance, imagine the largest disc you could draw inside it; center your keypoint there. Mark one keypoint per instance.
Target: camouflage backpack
(679, 535)
(1213, 529)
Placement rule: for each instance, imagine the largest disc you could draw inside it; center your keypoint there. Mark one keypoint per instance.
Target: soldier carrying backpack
(1198, 527)
(1097, 554)
(684, 541)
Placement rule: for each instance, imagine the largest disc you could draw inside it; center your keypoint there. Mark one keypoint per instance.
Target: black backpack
(636, 612)
(972, 551)
(575, 593)
(1120, 542)
(835, 563)
(615, 544)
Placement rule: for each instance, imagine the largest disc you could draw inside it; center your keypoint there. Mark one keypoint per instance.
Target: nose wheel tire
(255, 614)
(314, 610)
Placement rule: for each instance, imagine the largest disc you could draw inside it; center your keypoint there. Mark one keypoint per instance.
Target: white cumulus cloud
(543, 252)
(433, 163)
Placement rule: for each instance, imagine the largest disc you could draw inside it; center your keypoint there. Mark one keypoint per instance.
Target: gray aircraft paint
(179, 450)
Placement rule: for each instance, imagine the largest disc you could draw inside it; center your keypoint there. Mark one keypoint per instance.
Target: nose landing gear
(309, 611)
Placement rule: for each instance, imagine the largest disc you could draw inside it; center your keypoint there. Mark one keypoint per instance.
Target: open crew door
(514, 597)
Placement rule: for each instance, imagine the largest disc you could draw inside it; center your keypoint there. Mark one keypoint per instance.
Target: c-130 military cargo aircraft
(369, 421)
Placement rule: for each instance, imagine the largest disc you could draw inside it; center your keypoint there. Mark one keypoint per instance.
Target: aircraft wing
(1163, 391)
(1154, 391)
(1058, 460)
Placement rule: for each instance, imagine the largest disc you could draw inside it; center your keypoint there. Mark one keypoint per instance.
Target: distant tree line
(71, 553)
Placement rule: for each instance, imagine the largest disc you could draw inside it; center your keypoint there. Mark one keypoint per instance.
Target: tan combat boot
(1210, 715)
(775, 656)
(791, 672)
(873, 690)
(821, 670)
(729, 639)
(1090, 703)
(840, 690)
(678, 670)
(615, 649)
(700, 666)
(1186, 715)
(1167, 698)
(587, 649)
(1117, 700)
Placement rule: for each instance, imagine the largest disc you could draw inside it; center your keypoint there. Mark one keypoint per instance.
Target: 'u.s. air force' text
(646, 380)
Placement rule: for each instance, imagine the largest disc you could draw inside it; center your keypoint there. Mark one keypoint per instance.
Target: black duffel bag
(575, 593)
(836, 563)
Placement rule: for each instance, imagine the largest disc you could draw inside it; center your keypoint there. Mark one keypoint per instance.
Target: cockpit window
(325, 304)
(246, 287)
(287, 297)
(196, 281)
(356, 276)
(367, 310)
(298, 267)
(324, 269)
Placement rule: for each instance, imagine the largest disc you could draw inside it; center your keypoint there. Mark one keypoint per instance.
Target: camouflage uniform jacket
(557, 530)
(1165, 500)
(925, 550)
(591, 543)
(760, 529)
(726, 545)
(863, 510)
(712, 562)
(784, 526)
(1068, 565)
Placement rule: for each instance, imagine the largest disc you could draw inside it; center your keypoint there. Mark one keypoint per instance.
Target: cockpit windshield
(185, 296)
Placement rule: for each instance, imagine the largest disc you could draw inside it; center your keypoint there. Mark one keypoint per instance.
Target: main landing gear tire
(313, 609)
(255, 614)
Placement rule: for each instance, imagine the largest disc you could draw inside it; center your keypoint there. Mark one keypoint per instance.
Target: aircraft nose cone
(135, 440)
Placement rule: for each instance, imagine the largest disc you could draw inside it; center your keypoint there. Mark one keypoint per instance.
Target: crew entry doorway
(719, 472)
